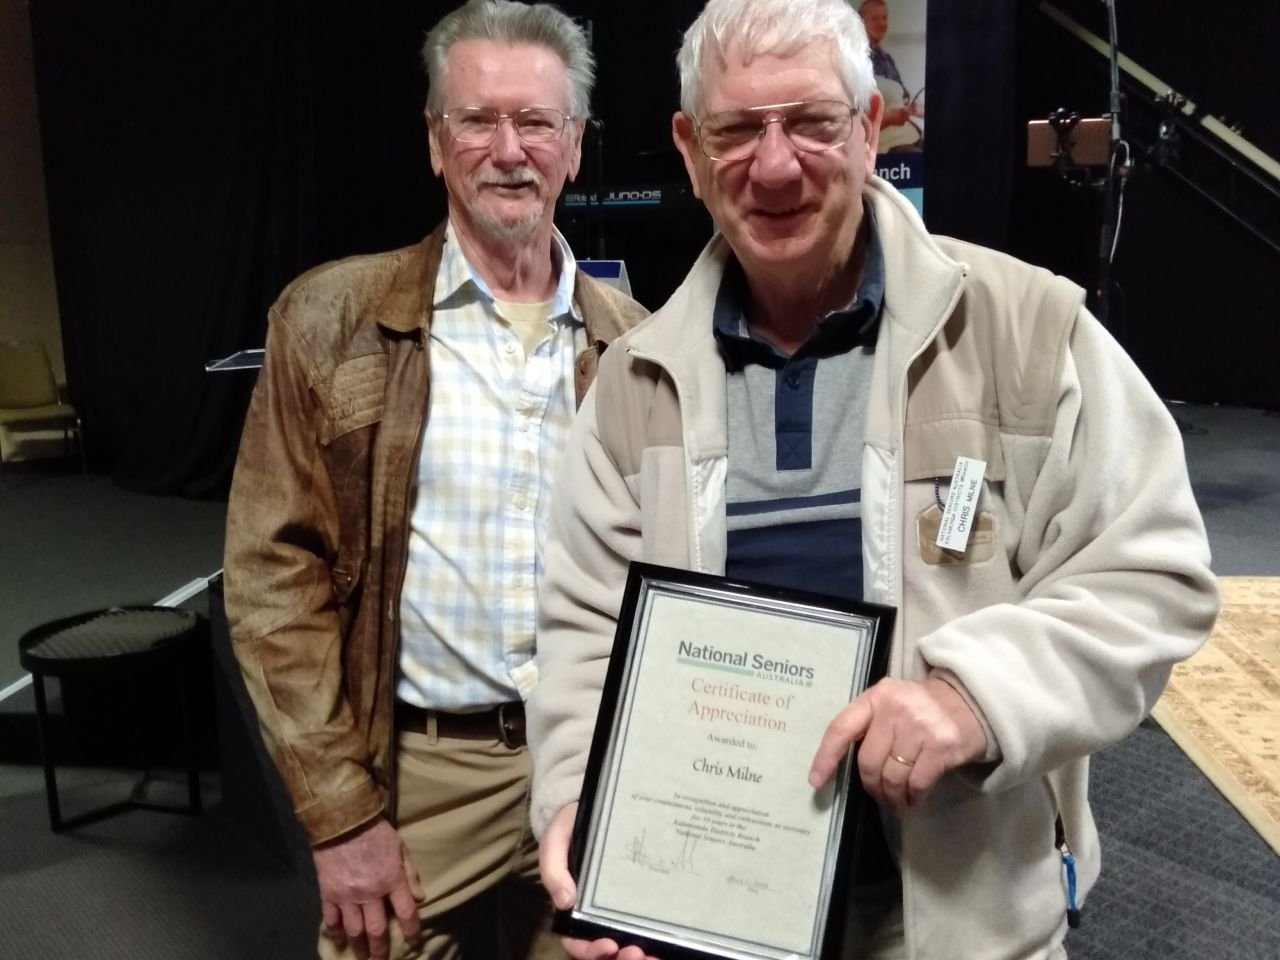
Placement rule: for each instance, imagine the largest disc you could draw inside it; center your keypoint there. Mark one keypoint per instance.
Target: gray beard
(509, 231)
(512, 231)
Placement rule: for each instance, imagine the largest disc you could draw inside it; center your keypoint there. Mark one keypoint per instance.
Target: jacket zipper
(1069, 870)
(898, 661)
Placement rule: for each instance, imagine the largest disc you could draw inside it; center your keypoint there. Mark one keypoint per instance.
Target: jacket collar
(921, 280)
(406, 308)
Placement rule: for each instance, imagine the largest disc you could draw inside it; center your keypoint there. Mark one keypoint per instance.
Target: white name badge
(962, 504)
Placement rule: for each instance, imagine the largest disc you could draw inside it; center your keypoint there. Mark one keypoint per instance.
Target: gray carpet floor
(1233, 456)
(1184, 877)
(141, 885)
(1183, 874)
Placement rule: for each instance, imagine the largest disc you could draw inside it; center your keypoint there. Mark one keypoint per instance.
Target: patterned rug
(1222, 707)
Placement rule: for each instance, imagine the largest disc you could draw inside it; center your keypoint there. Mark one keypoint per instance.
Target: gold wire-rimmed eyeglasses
(812, 126)
(479, 125)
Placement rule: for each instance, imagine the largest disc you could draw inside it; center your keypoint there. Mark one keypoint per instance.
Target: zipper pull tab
(1069, 864)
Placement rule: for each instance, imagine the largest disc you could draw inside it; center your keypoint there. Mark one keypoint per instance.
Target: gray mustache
(512, 178)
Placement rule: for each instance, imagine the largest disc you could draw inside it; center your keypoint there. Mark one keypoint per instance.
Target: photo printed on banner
(896, 29)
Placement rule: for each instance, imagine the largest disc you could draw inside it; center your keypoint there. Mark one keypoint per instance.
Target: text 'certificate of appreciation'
(698, 829)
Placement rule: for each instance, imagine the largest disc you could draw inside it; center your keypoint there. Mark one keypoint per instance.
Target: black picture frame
(650, 580)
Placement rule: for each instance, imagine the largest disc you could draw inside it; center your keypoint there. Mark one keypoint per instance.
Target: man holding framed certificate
(837, 402)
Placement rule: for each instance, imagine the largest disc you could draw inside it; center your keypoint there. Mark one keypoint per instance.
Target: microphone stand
(1115, 194)
(595, 193)
(1111, 205)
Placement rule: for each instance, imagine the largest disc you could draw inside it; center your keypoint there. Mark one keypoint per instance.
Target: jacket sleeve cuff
(327, 818)
(550, 802)
(993, 754)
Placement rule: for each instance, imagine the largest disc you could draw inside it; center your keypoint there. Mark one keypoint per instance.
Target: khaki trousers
(462, 807)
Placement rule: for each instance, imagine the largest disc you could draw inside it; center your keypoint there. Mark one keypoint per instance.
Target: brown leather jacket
(317, 525)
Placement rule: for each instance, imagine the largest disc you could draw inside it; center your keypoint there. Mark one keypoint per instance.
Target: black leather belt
(504, 722)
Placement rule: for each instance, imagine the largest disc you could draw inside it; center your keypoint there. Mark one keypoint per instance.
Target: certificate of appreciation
(698, 833)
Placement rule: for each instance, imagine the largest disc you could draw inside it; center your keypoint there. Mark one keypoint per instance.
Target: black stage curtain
(971, 145)
(199, 155)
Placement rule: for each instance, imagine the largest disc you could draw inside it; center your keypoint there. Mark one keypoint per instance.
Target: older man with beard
(391, 497)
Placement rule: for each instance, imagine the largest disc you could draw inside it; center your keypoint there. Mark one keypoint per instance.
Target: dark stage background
(200, 155)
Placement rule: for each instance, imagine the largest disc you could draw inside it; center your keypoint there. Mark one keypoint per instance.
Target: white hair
(502, 21)
(752, 27)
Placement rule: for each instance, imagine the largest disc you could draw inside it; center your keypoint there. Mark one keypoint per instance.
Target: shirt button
(793, 381)
(511, 348)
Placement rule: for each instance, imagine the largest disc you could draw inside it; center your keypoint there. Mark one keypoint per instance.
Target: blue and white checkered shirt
(496, 427)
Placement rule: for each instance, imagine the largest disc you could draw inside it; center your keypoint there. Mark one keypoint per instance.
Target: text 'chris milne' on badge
(962, 504)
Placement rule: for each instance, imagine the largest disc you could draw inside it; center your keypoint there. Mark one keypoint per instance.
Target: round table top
(104, 635)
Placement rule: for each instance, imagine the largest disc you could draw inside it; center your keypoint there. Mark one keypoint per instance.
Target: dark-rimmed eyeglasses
(479, 125)
(813, 126)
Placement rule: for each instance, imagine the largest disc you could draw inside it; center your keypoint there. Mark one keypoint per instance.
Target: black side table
(118, 641)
